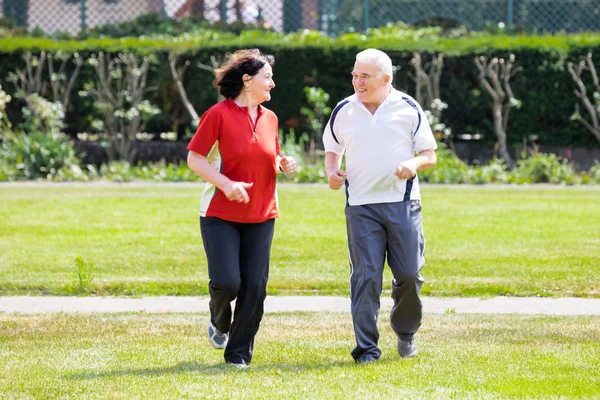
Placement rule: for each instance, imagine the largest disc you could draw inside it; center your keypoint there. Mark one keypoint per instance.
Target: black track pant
(238, 267)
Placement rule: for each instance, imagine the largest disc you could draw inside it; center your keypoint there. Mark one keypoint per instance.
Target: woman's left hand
(288, 164)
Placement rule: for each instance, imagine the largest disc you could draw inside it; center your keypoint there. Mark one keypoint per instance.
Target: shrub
(495, 171)
(309, 168)
(5, 125)
(38, 155)
(449, 168)
(593, 175)
(543, 168)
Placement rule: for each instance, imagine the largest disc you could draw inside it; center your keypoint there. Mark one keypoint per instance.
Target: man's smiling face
(370, 83)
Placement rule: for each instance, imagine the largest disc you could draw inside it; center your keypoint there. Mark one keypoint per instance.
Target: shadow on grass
(206, 369)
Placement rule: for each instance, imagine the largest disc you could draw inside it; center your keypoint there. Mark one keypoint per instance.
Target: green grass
(145, 240)
(167, 356)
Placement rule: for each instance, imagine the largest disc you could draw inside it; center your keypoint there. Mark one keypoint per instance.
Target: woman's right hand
(236, 191)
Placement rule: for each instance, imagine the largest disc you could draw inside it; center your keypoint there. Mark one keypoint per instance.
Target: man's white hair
(378, 58)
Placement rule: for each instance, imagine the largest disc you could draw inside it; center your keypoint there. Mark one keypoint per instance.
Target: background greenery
(544, 86)
(144, 240)
(43, 157)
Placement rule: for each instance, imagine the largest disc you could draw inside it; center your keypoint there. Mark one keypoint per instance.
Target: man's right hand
(337, 179)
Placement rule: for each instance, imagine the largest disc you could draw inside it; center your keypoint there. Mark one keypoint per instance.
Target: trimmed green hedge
(310, 58)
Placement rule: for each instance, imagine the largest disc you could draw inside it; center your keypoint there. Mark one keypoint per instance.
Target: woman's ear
(246, 77)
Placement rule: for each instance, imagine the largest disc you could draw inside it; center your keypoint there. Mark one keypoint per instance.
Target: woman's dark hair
(229, 75)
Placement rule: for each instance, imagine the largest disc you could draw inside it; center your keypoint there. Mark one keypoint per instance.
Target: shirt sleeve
(332, 143)
(423, 138)
(207, 134)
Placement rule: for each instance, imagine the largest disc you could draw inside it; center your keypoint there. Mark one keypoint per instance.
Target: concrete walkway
(497, 305)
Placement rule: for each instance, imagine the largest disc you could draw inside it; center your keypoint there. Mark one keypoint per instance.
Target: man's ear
(387, 78)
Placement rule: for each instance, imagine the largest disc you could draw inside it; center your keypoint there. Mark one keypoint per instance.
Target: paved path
(497, 305)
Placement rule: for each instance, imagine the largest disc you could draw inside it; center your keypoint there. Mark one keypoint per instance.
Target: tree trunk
(501, 133)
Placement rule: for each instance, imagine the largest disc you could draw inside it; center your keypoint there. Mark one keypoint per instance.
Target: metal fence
(330, 16)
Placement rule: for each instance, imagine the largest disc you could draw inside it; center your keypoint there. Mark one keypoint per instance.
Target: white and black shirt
(376, 143)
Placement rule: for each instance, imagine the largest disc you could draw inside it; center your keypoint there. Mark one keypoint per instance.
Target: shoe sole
(212, 341)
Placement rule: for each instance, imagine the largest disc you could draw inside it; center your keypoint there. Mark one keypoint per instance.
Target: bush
(309, 168)
(537, 168)
(38, 155)
(121, 171)
(543, 168)
(593, 175)
(449, 169)
(544, 86)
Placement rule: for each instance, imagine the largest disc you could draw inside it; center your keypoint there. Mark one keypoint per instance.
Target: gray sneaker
(407, 348)
(217, 339)
(366, 359)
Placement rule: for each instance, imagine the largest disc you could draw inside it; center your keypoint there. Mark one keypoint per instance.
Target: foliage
(155, 24)
(449, 168)
(38, 155)
(593, 176)
(536, 168)
(307, 169)
(542, 84)
(42, 153)
(543, 168)
(316, 117)
(5, 125)
(318, 111)
(159, 172)
(118, 93)
(84, 275)
(42, 115)
(8, 28)
(306, 148)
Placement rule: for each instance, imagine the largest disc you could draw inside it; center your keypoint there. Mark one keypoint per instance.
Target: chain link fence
(330, 16)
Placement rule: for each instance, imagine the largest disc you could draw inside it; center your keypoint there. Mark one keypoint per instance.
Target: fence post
(224, 11)
(509, 18)
(82, 9)
(366, 15)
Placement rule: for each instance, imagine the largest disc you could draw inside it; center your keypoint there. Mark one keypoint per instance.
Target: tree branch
(180, 88)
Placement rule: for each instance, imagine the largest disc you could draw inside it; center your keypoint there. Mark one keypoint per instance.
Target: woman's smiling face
(261, 84)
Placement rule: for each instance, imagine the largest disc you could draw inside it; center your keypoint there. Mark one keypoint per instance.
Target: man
(380, 129)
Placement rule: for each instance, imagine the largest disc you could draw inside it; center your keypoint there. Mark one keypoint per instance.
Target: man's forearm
(425, 160)
(332, 163)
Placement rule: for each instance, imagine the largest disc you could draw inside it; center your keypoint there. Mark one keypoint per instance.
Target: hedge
(312, 59)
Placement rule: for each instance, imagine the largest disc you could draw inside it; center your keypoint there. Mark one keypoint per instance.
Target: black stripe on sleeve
(413, 105)
(332, 119)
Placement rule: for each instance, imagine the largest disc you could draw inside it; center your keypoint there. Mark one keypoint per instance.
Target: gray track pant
(374, 232)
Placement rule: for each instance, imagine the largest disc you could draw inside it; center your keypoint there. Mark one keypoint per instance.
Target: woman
(236, 151)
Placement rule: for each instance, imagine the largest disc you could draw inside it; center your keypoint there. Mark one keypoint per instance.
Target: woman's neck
(243, 100)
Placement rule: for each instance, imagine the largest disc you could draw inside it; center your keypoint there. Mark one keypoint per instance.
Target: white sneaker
(217, 339)
(239, 365)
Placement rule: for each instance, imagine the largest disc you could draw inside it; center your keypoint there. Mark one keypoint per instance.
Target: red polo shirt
(228, 139)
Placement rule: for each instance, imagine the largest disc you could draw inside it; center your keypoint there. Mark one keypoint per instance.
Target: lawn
(167, 356)
(145, 240)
